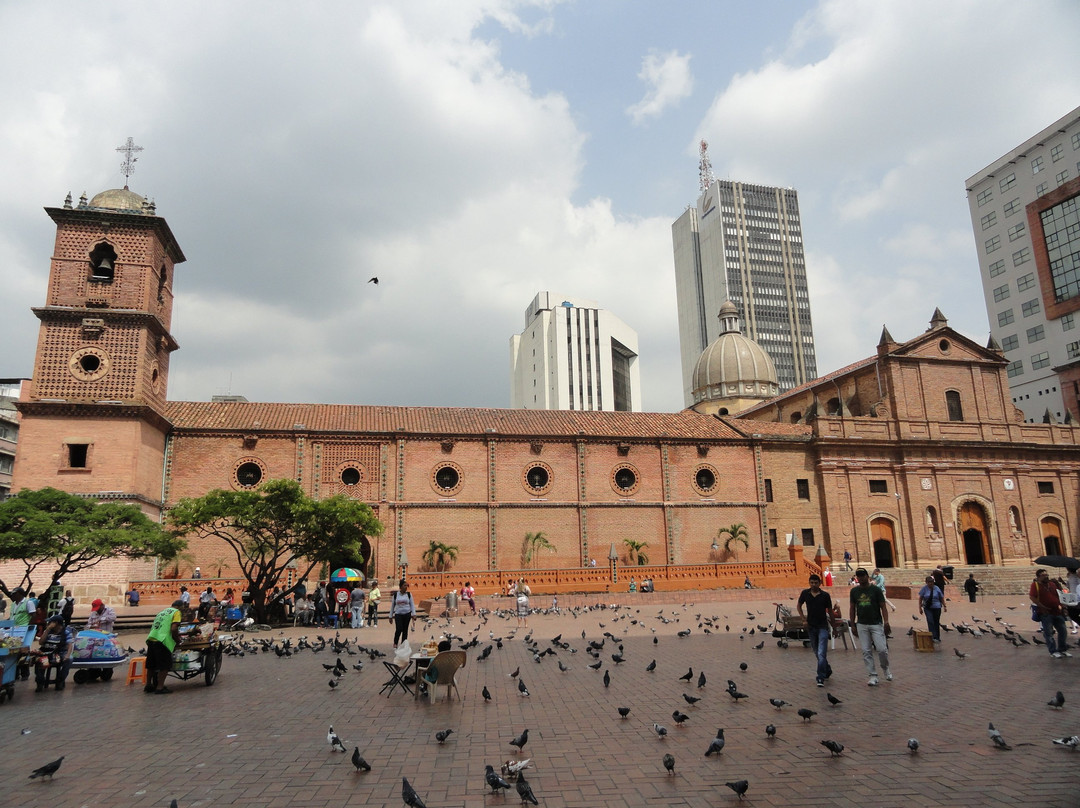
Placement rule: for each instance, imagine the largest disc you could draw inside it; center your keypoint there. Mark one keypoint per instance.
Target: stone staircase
(992, 580)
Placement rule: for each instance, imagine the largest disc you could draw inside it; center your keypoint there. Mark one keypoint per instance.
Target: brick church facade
(912, 457)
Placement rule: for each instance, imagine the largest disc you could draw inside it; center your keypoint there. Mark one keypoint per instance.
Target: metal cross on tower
(127, 168)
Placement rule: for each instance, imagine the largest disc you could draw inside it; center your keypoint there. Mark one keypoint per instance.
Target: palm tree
(736, 534)
(533, 542)
(634, 551)
(439, 556)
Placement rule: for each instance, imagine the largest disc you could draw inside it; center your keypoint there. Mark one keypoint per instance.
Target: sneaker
(1065, 653)
(1056, 655)
(873, 681)
(888, 675)
(820, 682)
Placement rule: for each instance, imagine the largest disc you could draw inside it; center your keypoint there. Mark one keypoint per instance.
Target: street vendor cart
(94, 655)
(198, 654)
(14, 647)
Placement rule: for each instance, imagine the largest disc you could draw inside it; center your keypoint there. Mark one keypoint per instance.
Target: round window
(89, 364)
(705, 479)
(446, 479)
(537, 478)
(350, 475)
(944, 346)
(624, 479)
(248, 475)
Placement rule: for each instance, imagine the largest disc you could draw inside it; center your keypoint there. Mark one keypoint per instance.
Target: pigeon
(443, 734)
(735, 694)
(486, 693)
(624, 712)
(759, 646)
(660, 731)
(521, 740)
(669, 763)
(525, 791)
(409, 795)
(731, 686)
(651, 666)
(516, 767)
(48, 770)
(597, 665)
(742, 666)
(701, 679)
(684, 633)
(494, 781)
(913, 745)
(173, 803)
(517, 670)
(562, 667)
(358, 761)
(678, 717)
(835, 749)
(805, 714)
(995, 736)
(739, 787)
(374, 280)
(1058, 700)
(716, 746)
(691, 700)
(779, 703)
(335, 742)
(960, 654)
(1072, 742)
(607, 679)
(770, 730)
(833, 700)
(522, 690)
(686, 677)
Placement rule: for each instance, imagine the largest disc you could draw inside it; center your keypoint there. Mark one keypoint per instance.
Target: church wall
(784, 464)
(201, 463)
(423, 457)
(694, 529)
(514, 458)
(463, 527)
(560, 526)
(732, 466)
(611, 525)
(601, 462)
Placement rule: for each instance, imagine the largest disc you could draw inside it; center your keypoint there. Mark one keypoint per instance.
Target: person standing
(468, 594)
(1044, 596)
(403, 610)
(356, 598)
(21, 607)
(879, 581)
(161, 642)
(971, 586)
(870, 619)
(67, 607)
(932, 603)
(374, 596)
(185, 599)
(815, 605)
(522, 592)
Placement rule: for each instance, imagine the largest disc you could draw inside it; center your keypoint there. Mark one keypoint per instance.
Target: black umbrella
(1059, 561)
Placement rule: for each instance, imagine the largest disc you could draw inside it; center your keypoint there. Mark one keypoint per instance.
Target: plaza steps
(992, 580)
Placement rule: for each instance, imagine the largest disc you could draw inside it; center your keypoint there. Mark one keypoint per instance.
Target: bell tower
(93, 416)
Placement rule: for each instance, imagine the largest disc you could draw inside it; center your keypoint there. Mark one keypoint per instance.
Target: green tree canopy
(440, 556)
(48, 526)
(273, 526)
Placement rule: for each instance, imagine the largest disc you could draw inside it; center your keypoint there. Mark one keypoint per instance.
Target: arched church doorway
(883, 540)
(1051, 535)
(972, 520)
(359, 562)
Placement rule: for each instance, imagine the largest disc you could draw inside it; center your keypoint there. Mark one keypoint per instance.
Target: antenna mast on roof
(127, 168)
(705, 174)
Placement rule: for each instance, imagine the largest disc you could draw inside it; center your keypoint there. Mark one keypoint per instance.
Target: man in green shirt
(870, 619)
(162, 640)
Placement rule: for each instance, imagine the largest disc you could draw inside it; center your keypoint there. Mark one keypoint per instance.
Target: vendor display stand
(14, 646)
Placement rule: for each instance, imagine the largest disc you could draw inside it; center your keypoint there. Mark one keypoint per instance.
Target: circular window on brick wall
(705, 477)
(537, 478)
(89, 364)
(248, 472)
(351, 473)
(447, 479)
(624, 479)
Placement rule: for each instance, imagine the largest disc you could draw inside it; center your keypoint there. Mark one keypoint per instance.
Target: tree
(533, 542)
(48, 526)
(736, 534)
(634, 551)
(440, 556)
(271, 527)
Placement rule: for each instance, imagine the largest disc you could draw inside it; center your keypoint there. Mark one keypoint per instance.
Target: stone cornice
(73, 408)
(136, 317)
(98, 217)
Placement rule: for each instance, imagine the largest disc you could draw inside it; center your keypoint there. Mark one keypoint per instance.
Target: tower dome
(733, 372)
(120, 199)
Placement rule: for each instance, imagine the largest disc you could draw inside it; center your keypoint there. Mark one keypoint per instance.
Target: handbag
(1035, 618)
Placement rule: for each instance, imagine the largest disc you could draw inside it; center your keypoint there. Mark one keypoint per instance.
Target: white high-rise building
(1026, 217)
(743, 243)
(573, 355)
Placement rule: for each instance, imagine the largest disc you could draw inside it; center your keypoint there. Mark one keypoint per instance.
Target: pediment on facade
(947, 345)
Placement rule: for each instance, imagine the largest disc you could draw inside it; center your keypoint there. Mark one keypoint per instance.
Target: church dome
(120, 199)
(733, 367)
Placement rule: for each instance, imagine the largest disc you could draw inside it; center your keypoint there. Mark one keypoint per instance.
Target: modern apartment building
(1027, 230)
(573, 355)
(744, 243)
(9, 432)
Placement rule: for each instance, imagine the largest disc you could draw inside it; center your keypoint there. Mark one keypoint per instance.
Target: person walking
(847, 560)
(468, 594)
(357, 597)
(879, 581)
(374, 596)
(815, 605)
(971, 586)
(932, 603)
(1047, 606)
(403, 610)
(870, 620)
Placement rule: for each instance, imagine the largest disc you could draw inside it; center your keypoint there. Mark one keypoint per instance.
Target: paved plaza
(257, 737)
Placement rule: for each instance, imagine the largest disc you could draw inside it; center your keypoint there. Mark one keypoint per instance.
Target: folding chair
(397, 679)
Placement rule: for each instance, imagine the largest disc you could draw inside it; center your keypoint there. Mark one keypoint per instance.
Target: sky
(470, 154)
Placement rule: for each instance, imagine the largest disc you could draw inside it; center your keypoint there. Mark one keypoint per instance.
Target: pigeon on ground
(524, 691)
(770, 730)
(833, 700)
(913, 744)
(995, 736)
(607, 679)
(494, 781)
(779, 703)
(834, 748)
(661, 732)
(731, 686)
(517, 670)
(669, 763)
(684, 633)
(686, 677)
(409, 795)
(562, 667)
(515, 767)
(443, 734)
(735, 694)
(651, 666)
(624, 712)
(358, 761)
(525, 791)
(959, 653)
(486, 693)
(742, 666)
(333, 683)
(805, 714)
(691, 700)
(716, 746)
(48, 770)
(521, 740)
(739, 787)
(173, 803)
(678, 717)
(1072, 742)
(759, 646)
(1058, 701)
(701, 679)
(596, 665)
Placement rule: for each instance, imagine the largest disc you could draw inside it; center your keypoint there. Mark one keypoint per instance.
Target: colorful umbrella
(346, 575)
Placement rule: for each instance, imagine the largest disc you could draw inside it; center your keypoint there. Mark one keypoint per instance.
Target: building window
(1062, 177)
(102, 264)
(989, 220)
(1040, 360)
(624, 479)
(1021, 256)
(1005, 317)
(1025, 282)
(1036, 165)
(984, 196)
(1035, 334)
(1040, 189)
(537, 479)
(953, 405)
(991, 244)
(773, 542)
(879, 486)
(1012, 206)
(350, 476)
(248, 474)
(1073, 350)
(1057, 152)
(1076, 141)
(1014, 369)
(808, 536)
(1017, 231)
(78, 455)
(802, 487)
(1001, 293)
(1010, 343)
(1007, 182)
(1046, 487)
(1061, 229)
(1068, 322)
(997, 268)
(705, 479)
(768, 490)
(1031, 307)
(447, 478)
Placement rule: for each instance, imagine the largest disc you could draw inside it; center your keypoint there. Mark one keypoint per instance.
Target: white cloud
(668, 80)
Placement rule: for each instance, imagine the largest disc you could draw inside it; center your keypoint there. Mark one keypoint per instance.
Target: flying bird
(494, 781)
(739, 787)
(806, 714)
(624, 712)
(521, 740)
(669, 763)
(835, 749)
(443, 734)
(660, 731)
(1058, 700)
(716, 746)
(995, 736)
(913, 745)
(833, 700)
(525, 791)
(1072, 742)
(48, 770)
(409, 795)
(374, 281)
(358, 761)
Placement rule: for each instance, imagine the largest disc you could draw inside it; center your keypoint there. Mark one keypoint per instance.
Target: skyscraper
(1027, 233)
(573, 355)
(743, 243)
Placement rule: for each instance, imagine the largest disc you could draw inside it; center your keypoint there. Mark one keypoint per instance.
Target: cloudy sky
(472, 153)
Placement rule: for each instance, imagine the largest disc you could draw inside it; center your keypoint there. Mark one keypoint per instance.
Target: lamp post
(403, 561)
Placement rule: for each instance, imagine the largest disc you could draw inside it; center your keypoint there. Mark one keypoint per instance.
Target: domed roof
(120, 199)
(733, 366)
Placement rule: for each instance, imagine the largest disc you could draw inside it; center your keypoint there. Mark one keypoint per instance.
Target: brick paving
(257, 737)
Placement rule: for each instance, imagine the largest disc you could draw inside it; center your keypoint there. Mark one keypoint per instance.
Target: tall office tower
(573, 355)
(1027, 230)
(744, 243)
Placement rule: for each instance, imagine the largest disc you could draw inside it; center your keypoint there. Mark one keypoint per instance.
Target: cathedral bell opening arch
(973, 527)
(883, 541)
(1051, 536)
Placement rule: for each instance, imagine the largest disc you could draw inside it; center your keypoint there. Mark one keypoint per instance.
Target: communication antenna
(705, 174)
(127, 168)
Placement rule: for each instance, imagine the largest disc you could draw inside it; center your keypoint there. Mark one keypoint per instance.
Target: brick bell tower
(93, 418)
